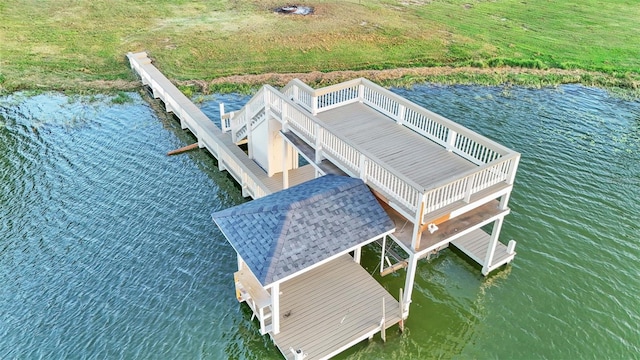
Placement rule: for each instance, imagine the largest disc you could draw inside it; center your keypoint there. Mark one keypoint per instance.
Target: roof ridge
(276, 250)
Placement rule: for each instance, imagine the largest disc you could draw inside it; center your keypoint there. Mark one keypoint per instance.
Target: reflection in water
(108, 250)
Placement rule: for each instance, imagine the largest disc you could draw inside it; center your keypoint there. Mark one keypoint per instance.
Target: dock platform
(311, 300)
(430, 181)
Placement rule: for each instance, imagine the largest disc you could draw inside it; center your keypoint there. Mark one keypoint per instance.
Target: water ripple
(108, 250)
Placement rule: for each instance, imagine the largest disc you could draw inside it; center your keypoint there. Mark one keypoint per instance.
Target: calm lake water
(107, 248)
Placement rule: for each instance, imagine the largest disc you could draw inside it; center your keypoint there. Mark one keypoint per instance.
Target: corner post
(514, 167)
(493, 243)
(357, 254)
(408, 284)
(451, 140)
(314, 105)
(318, 144)
(275, 308)
(221, 106)
(417, 223)
(296, 93)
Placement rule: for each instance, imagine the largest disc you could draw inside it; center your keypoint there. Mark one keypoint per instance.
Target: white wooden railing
(297, 104)
(464, 186)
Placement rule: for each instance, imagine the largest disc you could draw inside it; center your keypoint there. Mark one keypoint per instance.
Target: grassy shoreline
(222, 46)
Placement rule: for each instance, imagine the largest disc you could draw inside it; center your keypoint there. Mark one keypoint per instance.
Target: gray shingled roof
(293, 229)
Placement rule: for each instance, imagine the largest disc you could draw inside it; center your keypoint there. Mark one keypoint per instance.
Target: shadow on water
(108, 249)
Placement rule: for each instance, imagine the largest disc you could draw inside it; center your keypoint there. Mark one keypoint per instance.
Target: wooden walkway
(332, 308)
(254, 180)
(402, 150)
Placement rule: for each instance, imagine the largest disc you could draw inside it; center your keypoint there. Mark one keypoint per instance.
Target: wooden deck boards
(402, 149)
(475, 245)
(447, 230)
(327, 310)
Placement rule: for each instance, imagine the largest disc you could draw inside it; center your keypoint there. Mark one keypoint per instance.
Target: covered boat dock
(298, 257)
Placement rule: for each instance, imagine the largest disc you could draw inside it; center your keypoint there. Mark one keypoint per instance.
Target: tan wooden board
(475, 245)
(403, 150)
(330, 307)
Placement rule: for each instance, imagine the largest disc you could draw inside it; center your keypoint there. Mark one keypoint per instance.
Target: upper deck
(401, 150)
(427, 168)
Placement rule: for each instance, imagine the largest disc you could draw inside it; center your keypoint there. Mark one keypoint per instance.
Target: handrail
(251, 109)
(205, 130)
(439, 118)
(455, 137)
(462, 186)
(300, 92)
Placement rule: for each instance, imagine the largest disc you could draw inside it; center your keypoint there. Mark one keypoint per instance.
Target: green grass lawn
(81, 44)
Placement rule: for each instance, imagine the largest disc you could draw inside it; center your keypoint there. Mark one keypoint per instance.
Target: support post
(400, 118)
(417, 224)
(240, 262)
(363, 167)
(285, 164)
(468, 188)
(250, 130)
(357, 254)
(451, 140)
(401, 323)
(384, 248)
(275, 308)
(383, 324)
(504, 201)
(493, 243)
(408, 283)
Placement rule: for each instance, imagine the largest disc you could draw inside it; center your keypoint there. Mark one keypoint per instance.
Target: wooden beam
(183, 149)
(395, 267)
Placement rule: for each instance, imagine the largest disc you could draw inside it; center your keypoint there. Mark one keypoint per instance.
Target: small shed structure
(307, 232)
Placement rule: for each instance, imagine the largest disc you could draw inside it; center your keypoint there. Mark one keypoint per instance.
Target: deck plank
(328, 309)
(475, 246)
